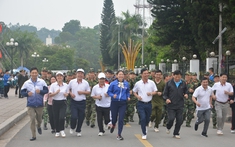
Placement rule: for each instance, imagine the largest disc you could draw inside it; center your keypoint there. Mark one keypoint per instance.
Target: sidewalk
(12, 110)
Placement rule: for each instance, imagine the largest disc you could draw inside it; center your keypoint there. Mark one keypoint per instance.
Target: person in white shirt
(223, 90)
(202, 97)
(144, 91)
(59, 91)
(102, 102)
(79, 88)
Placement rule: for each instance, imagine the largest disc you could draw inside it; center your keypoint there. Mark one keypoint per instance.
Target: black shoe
(32, 139)
(112, 129)
(39, 131)
(120, 137)
(52, 131)
(92, 126)
(204, 135)
(195, 127)
(88, 123)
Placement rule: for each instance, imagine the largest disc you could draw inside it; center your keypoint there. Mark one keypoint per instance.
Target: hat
(49, 72)
(132, 72)
(206, 74)
(194, 74)
(188, 73)
(125, 72)
(101, 75)
(153, 70)
(91, 70)
(99, 70)
(59, 73)
(216, 75)
(44, 69)
(80, 70)
(69, 73)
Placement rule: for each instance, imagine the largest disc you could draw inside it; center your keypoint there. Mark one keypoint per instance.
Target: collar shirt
(219, 88)
(143, 88)
(74, 86)
(203, 97)
(105, 101)
(63, 89)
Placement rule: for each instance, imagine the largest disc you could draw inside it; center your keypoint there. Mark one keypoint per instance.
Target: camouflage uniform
(130, 110)
(68, 110)
(189, 105)
(90, 105)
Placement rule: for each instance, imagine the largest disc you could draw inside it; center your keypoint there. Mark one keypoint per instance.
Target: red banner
(0, 28)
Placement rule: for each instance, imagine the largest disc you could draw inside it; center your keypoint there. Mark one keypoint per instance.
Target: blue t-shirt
(178, 83)
(5, 79)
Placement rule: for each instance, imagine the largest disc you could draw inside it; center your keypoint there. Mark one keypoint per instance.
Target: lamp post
(35, 55)
(183, 66)
(12, 44)
(152, 66)
(167, 65)
(45, 60)
(228, 53)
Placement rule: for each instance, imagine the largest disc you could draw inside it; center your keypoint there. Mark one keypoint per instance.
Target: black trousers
(59, 111)
(6, 90)
(172, 115)
(102, 113)
(51, 116)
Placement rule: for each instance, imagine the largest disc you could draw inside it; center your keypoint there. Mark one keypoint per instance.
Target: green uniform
(45, 115)
(189, 105)
(214, 115)
(90, 106)
(157, 104)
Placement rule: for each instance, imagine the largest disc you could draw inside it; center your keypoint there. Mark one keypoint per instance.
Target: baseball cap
(59, 73)
(80, 70)
(101, 75)
(206, 74)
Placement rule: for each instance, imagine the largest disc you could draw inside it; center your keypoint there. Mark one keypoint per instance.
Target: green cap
(206, 74)
(188, 73)
(216, 75)
(194, 74)
(44, 69)
(91, 70)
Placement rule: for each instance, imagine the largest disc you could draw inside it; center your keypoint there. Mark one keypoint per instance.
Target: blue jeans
(118, 109)
(77, 114)
(144, 110)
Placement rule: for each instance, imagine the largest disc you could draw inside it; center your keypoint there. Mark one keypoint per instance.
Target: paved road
(131, 134)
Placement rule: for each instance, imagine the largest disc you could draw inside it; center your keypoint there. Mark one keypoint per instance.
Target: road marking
(144, 142)
(128, 125)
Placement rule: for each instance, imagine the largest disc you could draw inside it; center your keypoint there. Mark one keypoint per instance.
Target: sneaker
(177, 136)
(196, 127)
(100, 134)
(119, 137)
(88, 123)
(167, 131)
(71, 131)
(232, 131)
(156, 129)
(92, 126)
(62, 133)
(106, 127)
(52, 131)
(57, 134)
(79, 134)
(219, 132)
(144, 137)
(112, 129)
(150, 124)
(39, 131)
(204, 135)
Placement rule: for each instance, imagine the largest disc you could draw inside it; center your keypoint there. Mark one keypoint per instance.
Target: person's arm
(166, 92)
(110, 90)
(44, 90)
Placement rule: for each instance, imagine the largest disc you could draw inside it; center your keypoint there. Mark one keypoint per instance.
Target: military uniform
(130, 110)
(189, 105)
(90, 104)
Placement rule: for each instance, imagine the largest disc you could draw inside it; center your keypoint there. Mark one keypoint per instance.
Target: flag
(0, 28)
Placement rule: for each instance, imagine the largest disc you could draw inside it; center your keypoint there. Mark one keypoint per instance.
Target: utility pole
(220, 37)
(142, 61)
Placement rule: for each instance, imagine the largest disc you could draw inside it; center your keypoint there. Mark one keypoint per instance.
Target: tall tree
(107, 25)
(72, 27)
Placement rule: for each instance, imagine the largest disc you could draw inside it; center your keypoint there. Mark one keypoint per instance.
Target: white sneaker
(232, 131)
(62, 133)
(150, 124)
(219, 132)
(177, 136)
(71, 131)
(57, 134)
(100, 134)
(156, 130)
(167, 131)
(79, 134)
(144, 137)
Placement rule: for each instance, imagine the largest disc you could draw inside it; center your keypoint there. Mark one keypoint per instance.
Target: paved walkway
(12, 110)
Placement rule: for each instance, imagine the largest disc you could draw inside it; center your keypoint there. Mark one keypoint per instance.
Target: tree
(107, 25)
(72, 26)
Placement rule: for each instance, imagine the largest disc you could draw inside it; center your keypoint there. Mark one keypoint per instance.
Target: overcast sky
(53, 14)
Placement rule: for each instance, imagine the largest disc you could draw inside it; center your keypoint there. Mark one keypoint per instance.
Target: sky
(53, 14)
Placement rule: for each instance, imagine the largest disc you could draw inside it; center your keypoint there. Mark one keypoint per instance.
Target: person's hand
(198, 104)
(37, 91)
(99, 97)
(159, 93)
(72, 95)
(128, 99)
(186, 96)
(226, 92)
(66, 94)
(106, 95)
(114, 96)
(149, 93)
(80, 92)
(231, 101)
(139, 98)
(168, 101)
(191, 90)
(30, 93)
(58, 91)
(131, 92)
(213, 97)
(211, 105)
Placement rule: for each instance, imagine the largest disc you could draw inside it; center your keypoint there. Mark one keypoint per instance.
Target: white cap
(80, 70)
(101, 75)
(59, 73)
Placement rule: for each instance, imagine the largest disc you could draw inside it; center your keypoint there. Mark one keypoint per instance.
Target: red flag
(0, 54)
(0, 28)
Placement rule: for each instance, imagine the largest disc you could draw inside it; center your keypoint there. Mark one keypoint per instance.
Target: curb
(10, 122)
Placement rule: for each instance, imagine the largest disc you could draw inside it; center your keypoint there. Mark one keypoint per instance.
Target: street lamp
(184, 61)
(167, 64)
(12, 44)
(228, 53)
(35, 55)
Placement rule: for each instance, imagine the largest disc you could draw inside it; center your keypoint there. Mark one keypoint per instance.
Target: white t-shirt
(97, 90)
(63, 89)
(219, 88)
(203, 97)
(74, 86)
(143, 88)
